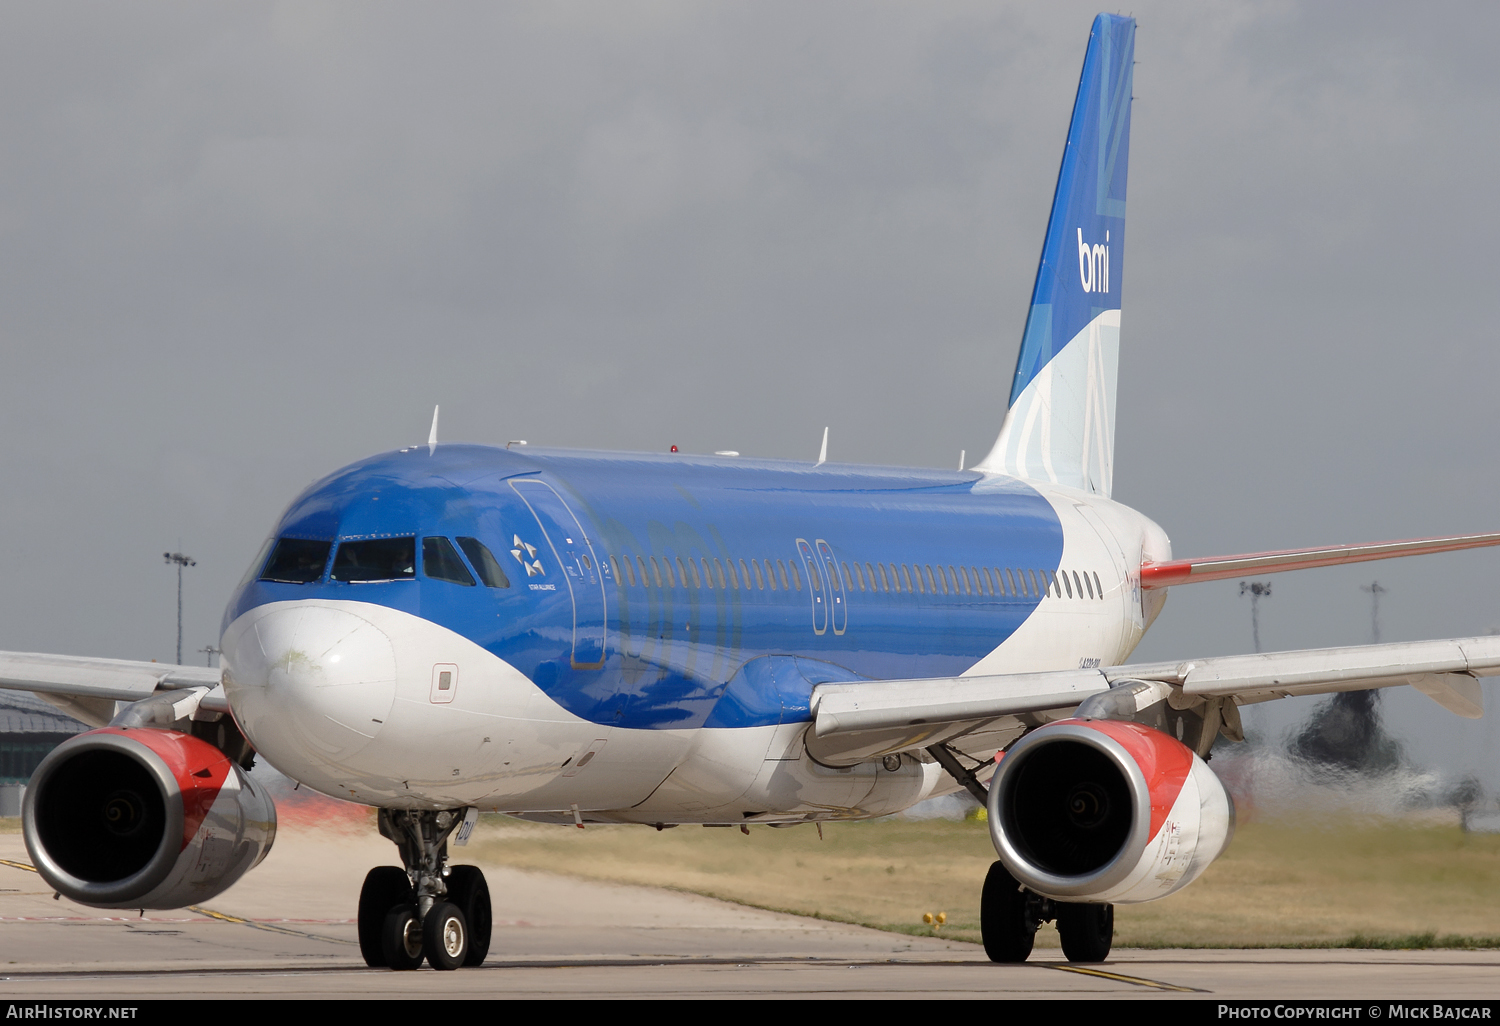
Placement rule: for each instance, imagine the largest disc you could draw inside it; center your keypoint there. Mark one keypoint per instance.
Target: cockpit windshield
(441, 563)
(484, 561)
(297, 561)
(379, 559)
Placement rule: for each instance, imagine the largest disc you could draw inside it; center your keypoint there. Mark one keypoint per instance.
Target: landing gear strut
(429, 909)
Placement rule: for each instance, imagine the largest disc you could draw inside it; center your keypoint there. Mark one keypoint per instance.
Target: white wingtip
(823, 453)
(432, 435)
(962, 455)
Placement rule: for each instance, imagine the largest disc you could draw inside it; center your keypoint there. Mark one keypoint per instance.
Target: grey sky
(244, 244)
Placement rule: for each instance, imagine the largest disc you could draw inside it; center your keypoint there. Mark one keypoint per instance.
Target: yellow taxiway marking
(1137, 980)
(221, 916)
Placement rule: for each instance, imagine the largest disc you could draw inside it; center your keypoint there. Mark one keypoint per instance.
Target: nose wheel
(445, 936)
(428, 910)
(401, 938)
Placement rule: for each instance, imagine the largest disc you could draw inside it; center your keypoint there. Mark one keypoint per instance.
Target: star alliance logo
(525, 553)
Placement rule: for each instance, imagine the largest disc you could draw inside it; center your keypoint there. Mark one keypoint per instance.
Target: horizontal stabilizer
(1218, 568)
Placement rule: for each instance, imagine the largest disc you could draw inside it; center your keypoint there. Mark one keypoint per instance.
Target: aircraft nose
(306, 678)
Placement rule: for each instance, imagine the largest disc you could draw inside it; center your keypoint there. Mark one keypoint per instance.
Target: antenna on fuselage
(823, 453)
(432, 435)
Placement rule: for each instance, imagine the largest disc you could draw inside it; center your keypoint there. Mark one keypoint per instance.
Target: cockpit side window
(379, 559)
(297, 561)
(484, 563)
(441, 563)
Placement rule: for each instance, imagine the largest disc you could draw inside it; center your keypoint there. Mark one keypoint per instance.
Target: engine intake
(144, 818)
(1106, 811)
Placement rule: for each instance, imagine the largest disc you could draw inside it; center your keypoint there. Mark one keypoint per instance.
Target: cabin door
(571, 546)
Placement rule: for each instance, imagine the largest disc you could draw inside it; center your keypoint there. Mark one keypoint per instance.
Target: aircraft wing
(122, 680)
(858, 720)
(87, 688)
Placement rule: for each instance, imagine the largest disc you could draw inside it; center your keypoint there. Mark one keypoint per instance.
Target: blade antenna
(823, 453)
(432, 435)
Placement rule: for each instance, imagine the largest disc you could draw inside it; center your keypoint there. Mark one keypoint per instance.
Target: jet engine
(1106, 811)
(144, 818)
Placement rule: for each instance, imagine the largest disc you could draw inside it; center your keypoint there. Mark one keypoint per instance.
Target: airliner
(667, 639)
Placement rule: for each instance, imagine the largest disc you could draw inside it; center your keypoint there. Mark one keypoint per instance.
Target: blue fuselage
(866, 572)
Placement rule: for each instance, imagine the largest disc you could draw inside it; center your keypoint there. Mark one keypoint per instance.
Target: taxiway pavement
(287, 931)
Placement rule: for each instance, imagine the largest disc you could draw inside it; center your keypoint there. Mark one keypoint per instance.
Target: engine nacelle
(144, 818)
(1106, 811)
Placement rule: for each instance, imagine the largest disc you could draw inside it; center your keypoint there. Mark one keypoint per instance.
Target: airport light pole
(181, 561)
(1375, 591)
(1257, 590)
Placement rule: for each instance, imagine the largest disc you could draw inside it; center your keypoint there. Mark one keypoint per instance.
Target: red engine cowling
(144, 818)
(1106, 811)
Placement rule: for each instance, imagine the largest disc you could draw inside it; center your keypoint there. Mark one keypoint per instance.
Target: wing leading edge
(87, 688)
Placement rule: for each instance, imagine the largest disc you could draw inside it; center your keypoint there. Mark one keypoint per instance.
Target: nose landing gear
(429, 909)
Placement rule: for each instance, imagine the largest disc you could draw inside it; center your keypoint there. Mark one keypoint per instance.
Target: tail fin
(1061, 422)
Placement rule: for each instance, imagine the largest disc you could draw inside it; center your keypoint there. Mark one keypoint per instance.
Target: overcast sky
(244, 244)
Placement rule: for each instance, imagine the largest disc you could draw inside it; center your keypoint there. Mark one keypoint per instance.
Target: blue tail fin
(1061, 422)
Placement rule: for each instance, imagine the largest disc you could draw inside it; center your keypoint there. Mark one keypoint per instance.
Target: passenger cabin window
(484, 563)
(440, 562)
(297, 561)
(379, 559)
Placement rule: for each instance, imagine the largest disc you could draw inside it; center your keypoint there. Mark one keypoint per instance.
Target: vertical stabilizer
(1061, 423)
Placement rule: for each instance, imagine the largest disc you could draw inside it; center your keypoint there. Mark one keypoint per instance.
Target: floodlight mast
(1375, 591)
(181, 561)
(1257, 590)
